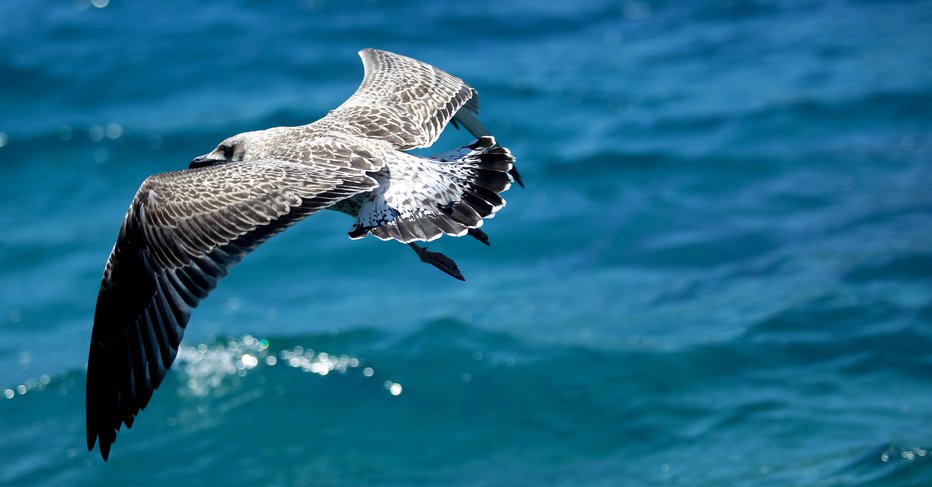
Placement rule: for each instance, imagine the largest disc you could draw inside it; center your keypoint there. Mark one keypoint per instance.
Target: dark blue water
(720, 272)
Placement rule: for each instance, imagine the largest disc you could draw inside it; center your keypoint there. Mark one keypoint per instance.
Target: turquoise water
(720, 272)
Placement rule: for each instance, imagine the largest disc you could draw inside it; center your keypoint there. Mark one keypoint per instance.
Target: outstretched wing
(403, 101)
(182, 232)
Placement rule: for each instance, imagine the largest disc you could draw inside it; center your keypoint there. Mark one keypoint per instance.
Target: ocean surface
(720, 272)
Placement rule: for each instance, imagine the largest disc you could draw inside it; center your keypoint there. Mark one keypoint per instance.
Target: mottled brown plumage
(184, 229)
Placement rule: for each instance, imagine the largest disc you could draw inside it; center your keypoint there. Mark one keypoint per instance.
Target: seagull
(184, 229)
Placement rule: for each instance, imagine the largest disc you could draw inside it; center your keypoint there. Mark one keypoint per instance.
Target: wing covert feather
(400, 100)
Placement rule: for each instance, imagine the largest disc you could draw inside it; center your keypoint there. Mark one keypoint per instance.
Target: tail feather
(463, 213)
(444, 225)
(448, 193)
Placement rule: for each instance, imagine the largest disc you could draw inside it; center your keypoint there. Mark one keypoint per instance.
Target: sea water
(720, 272)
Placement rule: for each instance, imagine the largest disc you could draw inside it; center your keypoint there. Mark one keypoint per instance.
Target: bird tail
(449, 193)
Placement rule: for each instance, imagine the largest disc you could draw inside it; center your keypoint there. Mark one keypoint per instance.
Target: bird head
(232, 149)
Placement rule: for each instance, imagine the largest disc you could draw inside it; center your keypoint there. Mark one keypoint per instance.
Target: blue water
(720, 272)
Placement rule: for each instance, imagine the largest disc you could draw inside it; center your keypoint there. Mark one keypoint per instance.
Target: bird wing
(182, 232)
(402, 101)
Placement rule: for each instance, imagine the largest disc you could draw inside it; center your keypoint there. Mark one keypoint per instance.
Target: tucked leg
(479, 235)
(437, 260)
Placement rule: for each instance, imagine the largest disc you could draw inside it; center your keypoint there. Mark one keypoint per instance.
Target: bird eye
(227, 151)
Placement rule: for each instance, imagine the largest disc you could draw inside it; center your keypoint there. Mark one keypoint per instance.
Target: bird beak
(203, 161)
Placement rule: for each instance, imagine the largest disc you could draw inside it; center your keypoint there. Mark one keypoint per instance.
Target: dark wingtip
(104, 443)
(105, 450)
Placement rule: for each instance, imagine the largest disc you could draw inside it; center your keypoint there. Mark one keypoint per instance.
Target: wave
(370, 397)
(842, 344)
(887, 464)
